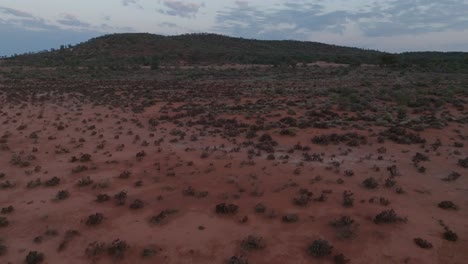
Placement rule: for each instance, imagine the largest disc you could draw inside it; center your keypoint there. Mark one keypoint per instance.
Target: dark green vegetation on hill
(142, 49)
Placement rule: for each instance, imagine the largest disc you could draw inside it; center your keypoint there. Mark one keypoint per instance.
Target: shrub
(7, 210)
(117, 248)
(149, 252)
(260, 208)
(34, 257)
(320, 248)
(34, 183)
(370, 183)
(3, 248)
(94, 219)
(422, 243)
(237, 260)
(453, 176)
(448, 205)
(162, 216)
(450, 235)
(345, 227)
(290, 218)
(253, 243)
(62, 195)
(224, 208)
(85, 181)
(102, 198)
(95, 249)
(303, 198)
(120, 197)
(54, 181)
(348, 199)
(340, 259)
(137, 204)
(463, 162)
(4, 221)
(388, 216)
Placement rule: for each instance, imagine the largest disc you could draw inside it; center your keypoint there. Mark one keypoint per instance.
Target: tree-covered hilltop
(143, 49)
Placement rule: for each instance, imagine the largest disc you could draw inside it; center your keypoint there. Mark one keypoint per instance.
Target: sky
(386, 25)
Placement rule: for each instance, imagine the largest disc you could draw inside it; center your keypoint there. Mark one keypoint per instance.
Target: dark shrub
(370, 183)
(224, 208)
(448, 205)
(387, 216)
(320, 248)
(34, 257)
(422, 243)
(252, 243)
(94, 219)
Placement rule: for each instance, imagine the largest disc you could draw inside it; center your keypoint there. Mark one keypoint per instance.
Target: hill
(143, 48)
(132, 49)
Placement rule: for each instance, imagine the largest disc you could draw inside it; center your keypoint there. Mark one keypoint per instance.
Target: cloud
(168, 24)
(266, 23)
(71, 20)
(23, 32)
(305, 20)
(241, 3)
(180, 8)
(129, 2)
(16, 13)
(400, 17)
(132, 3)
(20, 19)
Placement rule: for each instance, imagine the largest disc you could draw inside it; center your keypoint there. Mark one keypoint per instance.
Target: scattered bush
(7, 210)
(237, 260)
(303, 198)
(137, 204)
(102, 198)
(54, 181)
(34, 257)
(422, 243)
(62, 195)
(448, 205)
(348, 199)
(290, 218)
(463, 162)
(4, 221)
(117, 248)
(252, 243)
(94, 219)
(120, 197)
(224, 208)
(453, 176)
(320, 248)
(370, 183)
(388, 216)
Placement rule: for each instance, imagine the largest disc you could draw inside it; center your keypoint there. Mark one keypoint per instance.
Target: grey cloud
(71, 20)
(168, 24)
(129, 2)
(381, 18)
(180, 8)
(132, 3)
(287, 21)
(25, 20)
(14, 12)
(400, 17)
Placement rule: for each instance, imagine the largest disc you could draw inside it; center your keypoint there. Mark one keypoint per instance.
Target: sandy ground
(39, 140)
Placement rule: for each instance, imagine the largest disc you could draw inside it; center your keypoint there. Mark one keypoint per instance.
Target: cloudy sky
(388, 25)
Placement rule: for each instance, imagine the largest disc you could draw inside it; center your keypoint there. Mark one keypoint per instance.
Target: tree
(154, 63)
(388, 60)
